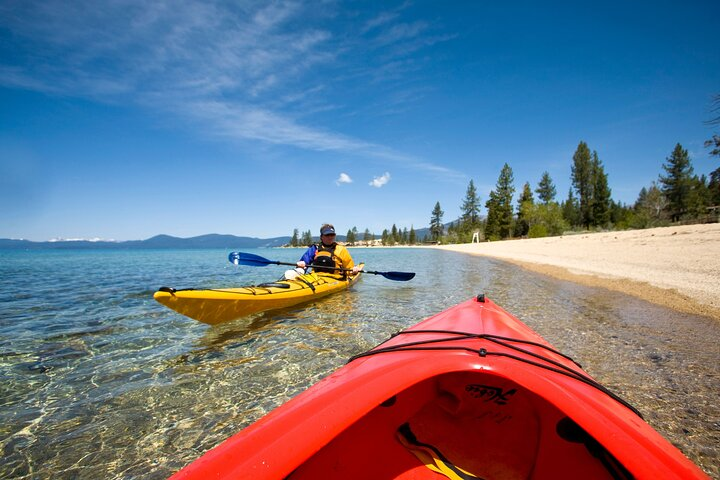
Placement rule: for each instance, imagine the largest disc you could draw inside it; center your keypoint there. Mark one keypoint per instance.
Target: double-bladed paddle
(240, 258)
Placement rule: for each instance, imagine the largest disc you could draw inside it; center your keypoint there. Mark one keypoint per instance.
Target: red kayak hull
(471, 392)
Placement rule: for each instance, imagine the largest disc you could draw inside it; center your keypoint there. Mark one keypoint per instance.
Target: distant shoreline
(677, 267)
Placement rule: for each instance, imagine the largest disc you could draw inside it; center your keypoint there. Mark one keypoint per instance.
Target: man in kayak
(326, 257)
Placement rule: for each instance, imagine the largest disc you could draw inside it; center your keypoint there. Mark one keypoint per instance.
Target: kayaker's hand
(356, 269)
(301, 264)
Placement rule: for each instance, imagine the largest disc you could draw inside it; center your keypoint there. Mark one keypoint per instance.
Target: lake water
(100, 381)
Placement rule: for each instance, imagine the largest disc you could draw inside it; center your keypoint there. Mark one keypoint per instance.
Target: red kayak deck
(469, 393)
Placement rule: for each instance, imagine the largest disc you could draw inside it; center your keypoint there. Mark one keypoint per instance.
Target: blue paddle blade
(398, 276)
(240, 258)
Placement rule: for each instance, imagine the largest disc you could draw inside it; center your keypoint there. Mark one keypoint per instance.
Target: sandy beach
(678, 267)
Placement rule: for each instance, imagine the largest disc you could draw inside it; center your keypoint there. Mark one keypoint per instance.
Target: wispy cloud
(343, 178)
(175, 48)
(256, 123)
(401, 32)
(382, 18)
(378, 182)
(244, 71)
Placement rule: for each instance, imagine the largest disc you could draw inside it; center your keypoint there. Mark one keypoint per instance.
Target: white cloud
(343, 178)
(378, 182)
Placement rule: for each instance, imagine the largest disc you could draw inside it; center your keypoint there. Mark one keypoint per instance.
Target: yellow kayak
(222, 305)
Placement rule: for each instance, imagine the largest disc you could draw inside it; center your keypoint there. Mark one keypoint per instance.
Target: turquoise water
(100, 381)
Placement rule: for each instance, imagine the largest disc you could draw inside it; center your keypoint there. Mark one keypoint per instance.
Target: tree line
(389, 237)
(679, 195)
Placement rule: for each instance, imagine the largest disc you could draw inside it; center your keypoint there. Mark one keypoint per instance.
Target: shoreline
(676, 267)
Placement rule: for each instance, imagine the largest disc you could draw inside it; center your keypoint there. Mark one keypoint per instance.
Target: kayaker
(326, 254)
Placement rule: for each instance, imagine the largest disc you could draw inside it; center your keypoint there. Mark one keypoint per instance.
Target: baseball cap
(327, 229)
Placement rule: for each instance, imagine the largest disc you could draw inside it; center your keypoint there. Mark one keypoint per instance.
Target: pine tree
(492, 223)
(582, 180)
(714, 187)
(505, 190)
(412, 238)
(307, 238)
(436, 225)
(394, 234)
(526, 195)
(546, 189)
(367, 236)
(351, 236)
(642, 197)
(590, 183)
(571, 210)
(525, 204)
(600, 194)
(295, 240)
(470, 208)
(699, 197)
(677, 184)
(500, 210)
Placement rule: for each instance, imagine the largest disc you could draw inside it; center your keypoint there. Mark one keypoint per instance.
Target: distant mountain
(212, 240)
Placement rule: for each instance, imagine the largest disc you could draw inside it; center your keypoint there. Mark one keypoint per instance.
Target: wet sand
(677, 267)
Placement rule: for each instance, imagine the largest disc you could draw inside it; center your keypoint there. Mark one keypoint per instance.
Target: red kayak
(471, 392)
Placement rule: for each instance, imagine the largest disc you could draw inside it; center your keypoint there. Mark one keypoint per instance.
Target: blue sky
(125, 119)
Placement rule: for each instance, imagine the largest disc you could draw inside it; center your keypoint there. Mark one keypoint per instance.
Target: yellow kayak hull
(222, 305)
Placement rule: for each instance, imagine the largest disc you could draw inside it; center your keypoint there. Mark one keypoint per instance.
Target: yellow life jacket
(325, 257)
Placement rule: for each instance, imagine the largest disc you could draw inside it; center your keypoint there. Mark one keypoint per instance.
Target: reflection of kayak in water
(222, 305)
(469, 393)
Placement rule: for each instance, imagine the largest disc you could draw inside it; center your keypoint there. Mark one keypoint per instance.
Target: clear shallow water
(99, 381)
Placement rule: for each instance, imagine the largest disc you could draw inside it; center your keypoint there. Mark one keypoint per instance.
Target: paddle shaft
(322, 266)
(239, 258)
